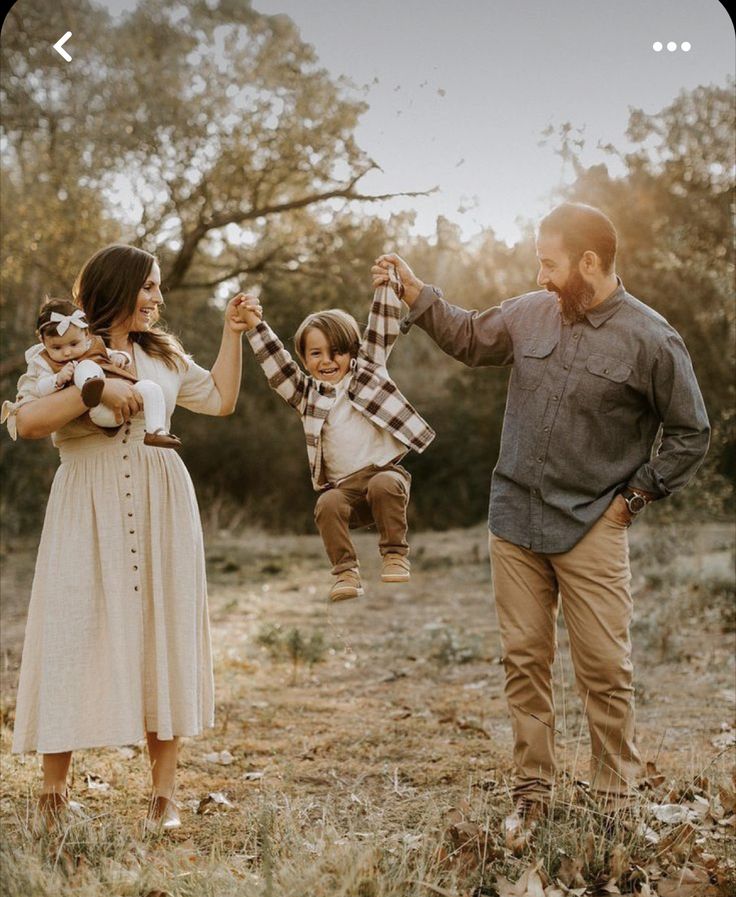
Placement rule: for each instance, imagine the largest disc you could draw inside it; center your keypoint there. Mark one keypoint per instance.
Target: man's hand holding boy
(411, 283)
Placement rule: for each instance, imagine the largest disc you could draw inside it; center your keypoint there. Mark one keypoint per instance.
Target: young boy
(358, 428)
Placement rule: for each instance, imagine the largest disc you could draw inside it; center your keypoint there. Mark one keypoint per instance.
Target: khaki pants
(377, 495)
(592, 580)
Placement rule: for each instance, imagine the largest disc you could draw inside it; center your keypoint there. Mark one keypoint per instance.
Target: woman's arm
(44, 416)
(228, 367)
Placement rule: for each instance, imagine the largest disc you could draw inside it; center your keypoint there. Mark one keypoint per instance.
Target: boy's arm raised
(383, 321)
(283, 374)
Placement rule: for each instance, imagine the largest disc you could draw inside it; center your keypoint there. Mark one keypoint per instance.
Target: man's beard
(574, 297)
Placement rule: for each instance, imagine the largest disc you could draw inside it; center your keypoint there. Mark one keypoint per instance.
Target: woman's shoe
(162, 439)
(163, 815)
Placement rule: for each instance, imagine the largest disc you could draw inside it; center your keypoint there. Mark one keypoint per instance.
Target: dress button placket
(130, 513)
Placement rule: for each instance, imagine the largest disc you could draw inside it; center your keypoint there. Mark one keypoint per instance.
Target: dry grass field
(363, 749)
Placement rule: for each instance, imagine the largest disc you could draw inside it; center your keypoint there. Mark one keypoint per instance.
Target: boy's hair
(44, 325)
(340, 329)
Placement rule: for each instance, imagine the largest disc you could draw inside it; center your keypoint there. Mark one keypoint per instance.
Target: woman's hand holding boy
(244, 312)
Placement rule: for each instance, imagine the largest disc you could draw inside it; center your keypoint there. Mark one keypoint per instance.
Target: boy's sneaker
(347, 585)
(396, 568)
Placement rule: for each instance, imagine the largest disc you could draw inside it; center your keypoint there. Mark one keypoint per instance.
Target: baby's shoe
(92, 391)
(162, 439)
(396, 567)
(347, 585)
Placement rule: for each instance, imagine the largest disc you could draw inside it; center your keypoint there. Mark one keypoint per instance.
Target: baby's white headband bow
(63, 321)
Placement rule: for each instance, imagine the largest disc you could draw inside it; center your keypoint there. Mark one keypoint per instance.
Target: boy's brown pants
(377, 495)
(592, 580)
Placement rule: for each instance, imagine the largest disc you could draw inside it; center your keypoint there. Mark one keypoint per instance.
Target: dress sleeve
(197, 390)
(27, 389)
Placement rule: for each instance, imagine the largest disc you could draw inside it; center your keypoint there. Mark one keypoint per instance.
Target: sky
(461, 91)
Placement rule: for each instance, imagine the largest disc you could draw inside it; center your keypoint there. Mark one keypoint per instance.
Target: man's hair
(44, 325)
(583, 228)
(340, 329)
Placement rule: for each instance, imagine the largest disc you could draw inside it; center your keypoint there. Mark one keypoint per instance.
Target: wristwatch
(635, 501)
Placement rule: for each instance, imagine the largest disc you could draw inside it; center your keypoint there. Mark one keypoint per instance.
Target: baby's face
(73, 344)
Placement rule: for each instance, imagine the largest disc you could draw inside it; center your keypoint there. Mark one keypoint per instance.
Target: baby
(68, 353)
(358, 428)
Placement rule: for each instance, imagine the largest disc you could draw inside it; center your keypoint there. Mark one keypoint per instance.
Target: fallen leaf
(688, 883)
(619, 862)
(570, 872)
(96, 783)
(214, 802)
(223, 758)
(670, 814)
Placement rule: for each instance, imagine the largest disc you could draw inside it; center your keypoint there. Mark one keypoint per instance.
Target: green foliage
(240, 168)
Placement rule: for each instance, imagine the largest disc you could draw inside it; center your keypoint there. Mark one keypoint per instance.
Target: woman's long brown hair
(107, 290)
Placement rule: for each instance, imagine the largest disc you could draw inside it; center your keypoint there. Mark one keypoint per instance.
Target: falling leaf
(214, 802)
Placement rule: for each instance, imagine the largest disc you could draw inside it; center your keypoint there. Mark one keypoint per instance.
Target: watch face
(636, 504)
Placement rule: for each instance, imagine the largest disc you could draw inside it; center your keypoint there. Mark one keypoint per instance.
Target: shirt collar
(599, 314)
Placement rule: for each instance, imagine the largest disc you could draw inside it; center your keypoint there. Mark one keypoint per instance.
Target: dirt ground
(400, 693)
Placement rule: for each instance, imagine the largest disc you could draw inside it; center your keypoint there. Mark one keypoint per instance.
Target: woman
(117, 641)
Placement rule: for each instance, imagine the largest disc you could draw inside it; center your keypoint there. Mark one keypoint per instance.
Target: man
(595, 374)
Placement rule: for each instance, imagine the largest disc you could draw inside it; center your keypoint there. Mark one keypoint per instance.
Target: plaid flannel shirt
(371, 390)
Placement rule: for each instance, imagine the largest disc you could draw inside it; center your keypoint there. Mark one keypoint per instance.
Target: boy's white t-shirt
(350, 441)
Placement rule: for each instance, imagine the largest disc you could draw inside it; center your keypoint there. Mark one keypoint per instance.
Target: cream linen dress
(117, 641)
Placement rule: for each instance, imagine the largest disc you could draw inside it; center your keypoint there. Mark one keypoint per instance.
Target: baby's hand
(119, 359)
(65, 374)
(243, 312)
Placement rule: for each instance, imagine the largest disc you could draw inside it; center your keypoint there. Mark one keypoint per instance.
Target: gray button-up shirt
(584, 409)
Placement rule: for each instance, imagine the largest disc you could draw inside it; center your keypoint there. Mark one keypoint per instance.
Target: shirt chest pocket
(604, 382)
(530, 364)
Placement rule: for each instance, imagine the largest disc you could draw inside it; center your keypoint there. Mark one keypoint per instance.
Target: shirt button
(554, 398)
(136, 588)
(133, 550)
(540, 460)
(127, 476)
(132, 532)
(135, 566)
(124, 441)
(130, 513)
(575, 335)
(566, 367)
(546, 429)
(125, 457)
(127, 494)
(605, 370)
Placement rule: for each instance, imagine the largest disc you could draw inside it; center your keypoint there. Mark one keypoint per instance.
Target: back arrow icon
(58, 46)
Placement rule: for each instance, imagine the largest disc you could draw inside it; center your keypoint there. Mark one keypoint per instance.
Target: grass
(370, 743)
